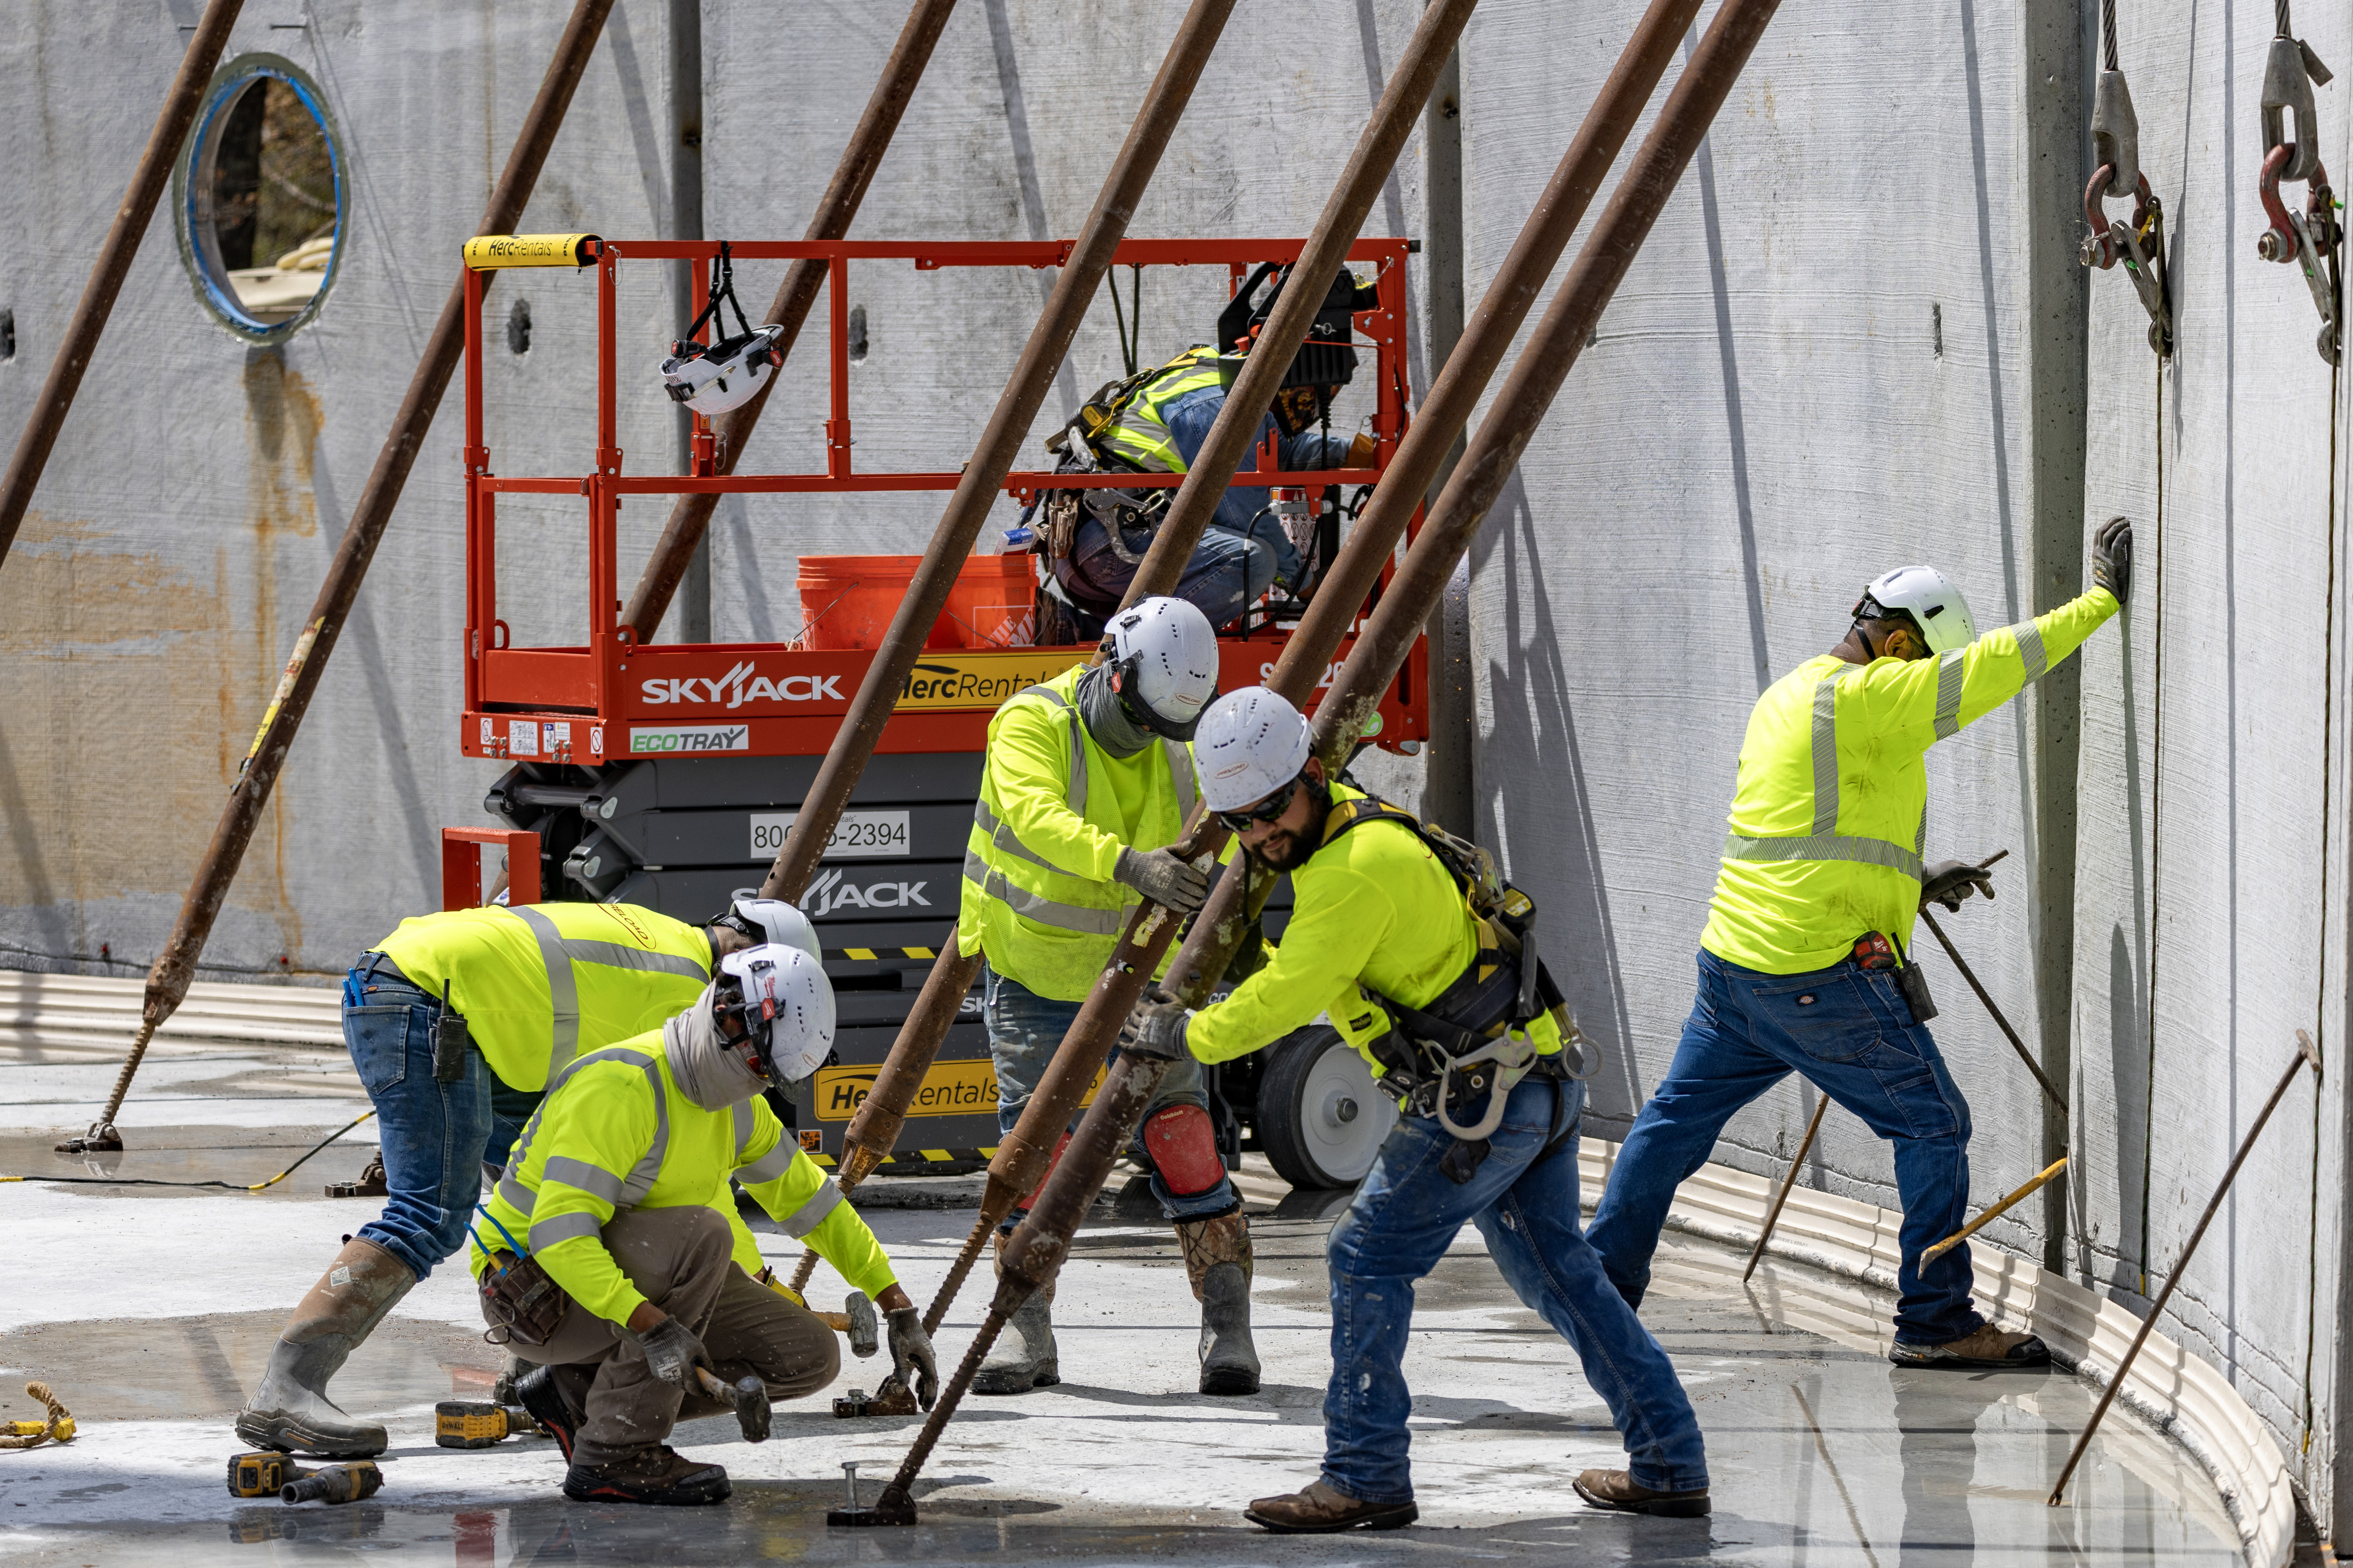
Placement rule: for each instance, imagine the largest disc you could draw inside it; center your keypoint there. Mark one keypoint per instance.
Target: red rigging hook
(2311, 239)
(2141, 246)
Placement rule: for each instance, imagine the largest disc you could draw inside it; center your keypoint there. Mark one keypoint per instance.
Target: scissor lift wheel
(1320, 1118)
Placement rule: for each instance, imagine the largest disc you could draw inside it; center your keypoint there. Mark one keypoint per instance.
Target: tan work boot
(1030, 1360)
(1988, 1350)
(1217, 1262)
(291, 1410)
(1323, 1508)
(1616, 1490)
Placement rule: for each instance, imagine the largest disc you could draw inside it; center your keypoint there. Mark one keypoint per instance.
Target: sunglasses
(1267, 810)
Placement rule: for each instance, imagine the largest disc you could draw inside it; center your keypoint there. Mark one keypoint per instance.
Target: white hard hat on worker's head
(1929, 597)
(1252, 742)
(770, 921)
(785, 1006)
(1164, 661)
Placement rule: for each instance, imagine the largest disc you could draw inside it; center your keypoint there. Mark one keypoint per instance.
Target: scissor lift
(665, 774)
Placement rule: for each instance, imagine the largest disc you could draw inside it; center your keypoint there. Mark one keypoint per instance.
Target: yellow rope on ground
(57, 1428)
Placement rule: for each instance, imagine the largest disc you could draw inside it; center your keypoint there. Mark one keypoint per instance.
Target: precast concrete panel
(2211, 909)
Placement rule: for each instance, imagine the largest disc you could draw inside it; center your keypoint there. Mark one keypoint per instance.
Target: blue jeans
(1025, 1029)
(1524, 1201)
(435, 1136)
(1849, 1032)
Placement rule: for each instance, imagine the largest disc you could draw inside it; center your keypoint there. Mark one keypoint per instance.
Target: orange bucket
(847, 601)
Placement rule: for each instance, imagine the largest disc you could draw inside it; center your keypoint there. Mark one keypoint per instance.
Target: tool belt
(520, 1300)
(1423, 1053)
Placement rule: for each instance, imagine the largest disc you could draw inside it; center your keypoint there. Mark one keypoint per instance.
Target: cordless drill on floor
(266, 1472)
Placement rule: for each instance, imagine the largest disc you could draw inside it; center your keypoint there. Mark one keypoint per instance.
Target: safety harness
(1471, 1038)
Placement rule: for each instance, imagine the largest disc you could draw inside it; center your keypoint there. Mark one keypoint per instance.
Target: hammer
(855, 1320)
(748, 1395)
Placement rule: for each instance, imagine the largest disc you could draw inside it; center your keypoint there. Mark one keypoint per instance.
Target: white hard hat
(771, 920)
(1252, 742)
(786, 1005)
(1163, 660)
(1932, 600)
(722, 375)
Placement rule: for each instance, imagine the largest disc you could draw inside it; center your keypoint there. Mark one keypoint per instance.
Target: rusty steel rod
(1970, 975)
(115, 254)
(167, 983)
(1796, 1164)
(1022, 1156)
(2033, 1185)
(690, 515)
(1040, 1241)
(2306, 1052)
(1235, 430)
(873, 1132)
(983, 477)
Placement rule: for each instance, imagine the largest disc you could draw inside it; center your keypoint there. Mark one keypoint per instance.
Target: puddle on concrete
(201, 1368)
(239, 1155)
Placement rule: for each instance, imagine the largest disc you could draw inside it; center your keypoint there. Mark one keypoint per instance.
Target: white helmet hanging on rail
(1252, 742)
(1930, 598)
(1164, 661)
(715, 377)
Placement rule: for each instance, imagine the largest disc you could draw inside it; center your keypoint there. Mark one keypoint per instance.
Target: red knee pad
(1184, 1149)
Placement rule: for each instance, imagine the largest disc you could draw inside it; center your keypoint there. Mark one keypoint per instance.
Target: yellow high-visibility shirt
(539, 984)
(1375, 909)
(1829, 820)
(615, 1134)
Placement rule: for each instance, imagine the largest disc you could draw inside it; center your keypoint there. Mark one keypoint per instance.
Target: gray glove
(2111, 557)
(1156, 1027)
(1162, 878)
(1948, 883)
(910, 1351)
(672, 1352)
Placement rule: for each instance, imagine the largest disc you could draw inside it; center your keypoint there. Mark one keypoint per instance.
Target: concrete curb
(2170, 1389)
(100, 1008)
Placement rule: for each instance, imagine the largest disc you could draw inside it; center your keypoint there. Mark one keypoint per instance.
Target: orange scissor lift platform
(665, 774)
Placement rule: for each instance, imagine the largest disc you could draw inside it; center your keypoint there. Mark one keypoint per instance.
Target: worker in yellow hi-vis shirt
(604, 1253)
(1804, 964)
(455, 1023)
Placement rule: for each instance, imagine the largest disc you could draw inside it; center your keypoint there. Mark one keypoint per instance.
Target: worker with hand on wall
(455, 1024)
(1086, 783)
(1157, 425)
(614, 1194)
(1801, 967)
(1391, 940)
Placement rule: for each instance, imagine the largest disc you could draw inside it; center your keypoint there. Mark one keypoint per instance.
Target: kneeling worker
(1085, 785)
(1407, 939)
(455, 1024)
(1803, 966)
(616, 1195)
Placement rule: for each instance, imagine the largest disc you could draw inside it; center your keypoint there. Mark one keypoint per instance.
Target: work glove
(1164, 878)
(1948, 883)
(1156, 1027)
(910, 1352)
(672, 1352)
(2111, 557)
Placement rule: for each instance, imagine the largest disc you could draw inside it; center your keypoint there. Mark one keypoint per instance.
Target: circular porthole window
(261, 198)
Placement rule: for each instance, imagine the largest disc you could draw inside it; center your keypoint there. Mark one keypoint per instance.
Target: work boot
(1617, 1489)
(1988, 1350)
(1323, 1508)
(656, 1474)
(1217, 1262)
(291, 1410)
(557, 1398)
(1030, 1360)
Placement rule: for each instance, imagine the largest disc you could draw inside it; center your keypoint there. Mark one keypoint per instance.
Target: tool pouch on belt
(450, 1042)
(520, 1301)
(1874, 951)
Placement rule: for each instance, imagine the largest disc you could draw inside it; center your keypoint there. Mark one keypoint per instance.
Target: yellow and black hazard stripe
(881, 954)
(905, 1157)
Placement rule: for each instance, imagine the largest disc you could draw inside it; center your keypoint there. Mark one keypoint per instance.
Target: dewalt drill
(266, 1472)
(474, 1424)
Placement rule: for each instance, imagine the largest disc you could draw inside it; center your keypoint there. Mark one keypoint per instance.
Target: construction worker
(1805, 964)
(1407, 941)
(1157, 423)
(1086, 783)
(615, 1196)
(455, 1024)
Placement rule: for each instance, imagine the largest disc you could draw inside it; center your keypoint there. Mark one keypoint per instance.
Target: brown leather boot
(1616, 1490)
(1217, 1262)
(1030, 1360)
(1323, 1508)
(1988, 1350)
(291, 1410)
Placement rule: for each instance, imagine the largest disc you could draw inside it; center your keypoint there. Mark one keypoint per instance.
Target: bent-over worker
(1086, 784)
(455, 1023)
(1417, 960)
(617, 1195)
(1802, 967)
